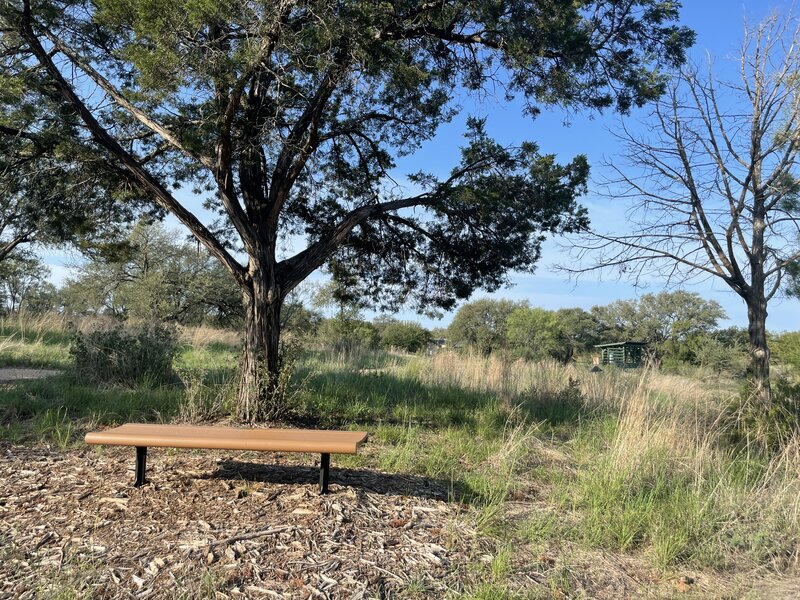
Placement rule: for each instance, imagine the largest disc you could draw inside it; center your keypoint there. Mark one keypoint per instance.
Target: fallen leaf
(684, 584)
(396, 523)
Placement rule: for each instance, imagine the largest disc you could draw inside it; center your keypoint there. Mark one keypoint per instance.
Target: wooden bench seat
(142, 436)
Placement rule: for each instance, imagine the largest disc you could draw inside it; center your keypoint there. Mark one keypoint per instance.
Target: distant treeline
(155, 277)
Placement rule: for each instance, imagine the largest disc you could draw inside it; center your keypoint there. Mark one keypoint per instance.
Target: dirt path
(12, 374)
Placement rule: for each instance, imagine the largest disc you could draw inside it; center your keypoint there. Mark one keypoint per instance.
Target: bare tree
(714, 183)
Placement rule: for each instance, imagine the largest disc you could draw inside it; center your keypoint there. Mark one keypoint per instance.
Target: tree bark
(758, 355)
(259, 397)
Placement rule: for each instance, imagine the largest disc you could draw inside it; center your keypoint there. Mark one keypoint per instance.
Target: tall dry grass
(667, 479)
(203, 336)
(719, 504)
(34, 340)
(520, 379)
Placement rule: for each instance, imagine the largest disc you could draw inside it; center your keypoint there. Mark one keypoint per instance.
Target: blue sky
(719, 25)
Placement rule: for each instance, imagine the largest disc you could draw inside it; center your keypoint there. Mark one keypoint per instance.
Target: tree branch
(9, 247)
(123, 102)
(160, 195)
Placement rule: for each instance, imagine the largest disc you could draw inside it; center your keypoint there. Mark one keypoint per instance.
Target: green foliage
(490, 221)
(410, 337)
(535, 333)
(206, 396)
(664, 320)
(299, 320)
(346, 333)
(786, 349)
(713, 351)
(319, 100)
(482, 325)
(286, 390)
(156, 279)
(55, 185)
(677, 324)
(649, 504)
(792, 287)
(580, 328)
(141, 355)
(23, 283)
(55, 425)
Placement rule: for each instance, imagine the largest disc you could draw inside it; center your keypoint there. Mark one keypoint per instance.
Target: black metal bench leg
(141, 465)
(324, 472)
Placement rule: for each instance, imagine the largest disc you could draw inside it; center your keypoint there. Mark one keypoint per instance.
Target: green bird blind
(626, 355)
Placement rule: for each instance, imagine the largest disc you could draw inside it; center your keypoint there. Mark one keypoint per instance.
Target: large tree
(714, 183)
(289, 114)
(663, 320)
(482, 325)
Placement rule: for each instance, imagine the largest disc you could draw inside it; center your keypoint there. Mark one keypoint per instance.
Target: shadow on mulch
(395, 484)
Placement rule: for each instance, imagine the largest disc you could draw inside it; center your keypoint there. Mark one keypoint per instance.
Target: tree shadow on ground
(337, 399)
(390, 484)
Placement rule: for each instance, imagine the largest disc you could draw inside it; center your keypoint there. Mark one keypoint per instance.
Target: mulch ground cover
(224, 524)
(221, 524)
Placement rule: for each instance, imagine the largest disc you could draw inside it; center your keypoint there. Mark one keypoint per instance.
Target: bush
(135, 356)
(280, 392)
(749, 422)
(348, 334)
(205, 398)
(410, 337)
(786, 349)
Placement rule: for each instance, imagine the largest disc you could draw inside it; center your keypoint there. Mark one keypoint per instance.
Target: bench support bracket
(141, 465)
(324, 472)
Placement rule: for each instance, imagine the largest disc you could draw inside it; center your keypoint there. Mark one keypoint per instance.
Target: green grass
(57, 410)
(682, 499)
(339, 397)
(217, 360)
(661, 507)
(34, 343)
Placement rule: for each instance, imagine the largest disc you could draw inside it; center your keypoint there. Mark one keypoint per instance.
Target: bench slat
(230, 438)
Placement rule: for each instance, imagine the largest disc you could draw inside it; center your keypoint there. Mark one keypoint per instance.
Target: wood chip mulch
(222, 524)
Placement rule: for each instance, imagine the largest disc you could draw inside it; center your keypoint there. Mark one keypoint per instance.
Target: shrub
(205, 397)
(141, 355)
(749, 422)
(282, 388)
(348, 334)
(410, 337)
(786, 349)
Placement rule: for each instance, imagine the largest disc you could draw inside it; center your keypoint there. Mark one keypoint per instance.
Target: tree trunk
(758, 355)
(260, 368)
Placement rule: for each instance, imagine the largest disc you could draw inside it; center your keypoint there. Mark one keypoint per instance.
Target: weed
(209, 582)
(204, 399)
(137, 356)
(490, 591)
(55, 425)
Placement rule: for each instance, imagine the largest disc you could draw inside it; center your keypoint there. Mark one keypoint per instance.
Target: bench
(142, 436)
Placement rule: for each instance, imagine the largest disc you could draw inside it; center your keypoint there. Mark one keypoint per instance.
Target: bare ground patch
(14, 374)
